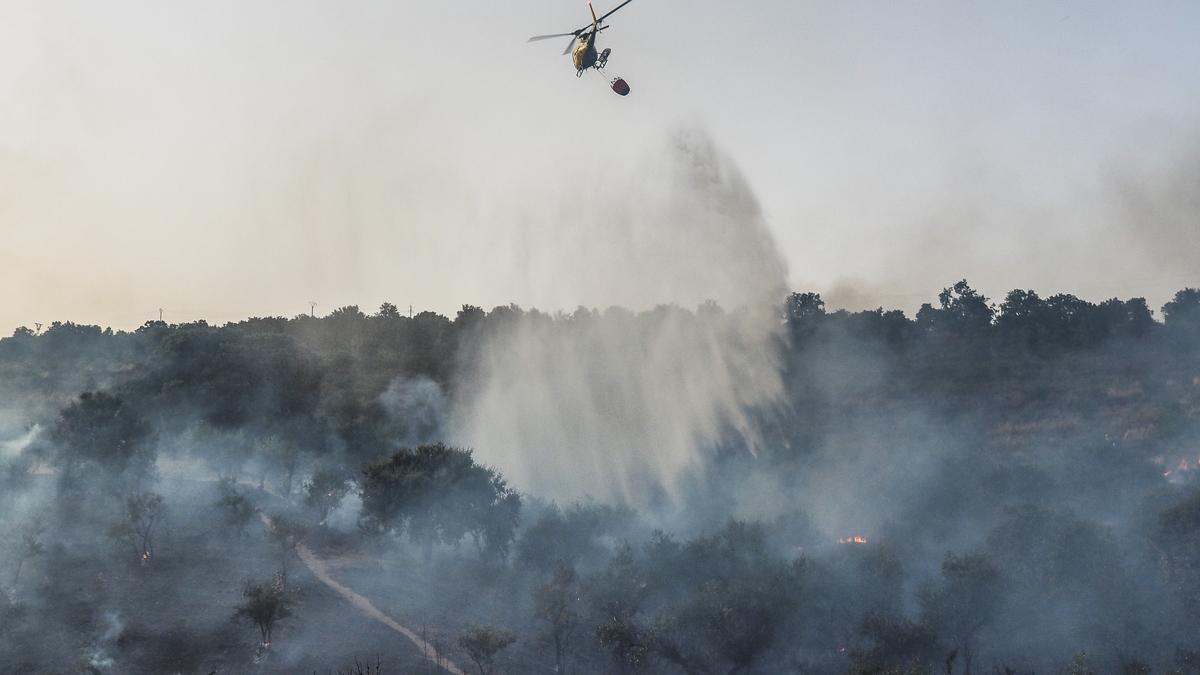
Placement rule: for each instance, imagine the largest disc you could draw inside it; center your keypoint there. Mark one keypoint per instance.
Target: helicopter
(582, 47)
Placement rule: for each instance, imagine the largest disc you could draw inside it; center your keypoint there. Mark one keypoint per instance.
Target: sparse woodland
(1005, 485)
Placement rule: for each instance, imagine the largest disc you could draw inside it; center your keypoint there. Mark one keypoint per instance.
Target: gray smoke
(416, 408)
(1157, 211)
(98, 654)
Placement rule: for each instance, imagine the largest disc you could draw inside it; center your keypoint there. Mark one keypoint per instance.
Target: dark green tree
(438, 494)
(555, 607)
(967, 599)
(324, 491)
(804, 306)
(285, 536)
(1177, 539)
(236, 509)
(264, 605)
(965, 310)
(26, 544)
(1184, 309)
(388, 311)
(570, 534)
(897, 645)
(143, 513)
(100, 431)
(481, 644)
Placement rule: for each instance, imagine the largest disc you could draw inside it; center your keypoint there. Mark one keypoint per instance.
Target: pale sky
(232, 158)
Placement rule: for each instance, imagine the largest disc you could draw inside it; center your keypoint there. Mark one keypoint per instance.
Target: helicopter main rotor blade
(582, 33)
(613, 11)
(536, 38)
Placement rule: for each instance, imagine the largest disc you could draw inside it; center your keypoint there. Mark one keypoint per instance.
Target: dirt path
(321, 571)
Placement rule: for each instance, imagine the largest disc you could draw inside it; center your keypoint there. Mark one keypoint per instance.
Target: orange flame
(852, 540)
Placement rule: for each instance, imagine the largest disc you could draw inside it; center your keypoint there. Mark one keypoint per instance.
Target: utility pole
(37, 328)
(312, 309)
(410, 311)
(160, 314)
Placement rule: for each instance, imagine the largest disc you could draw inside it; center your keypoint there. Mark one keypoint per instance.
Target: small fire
(145, 557)
(852, 540)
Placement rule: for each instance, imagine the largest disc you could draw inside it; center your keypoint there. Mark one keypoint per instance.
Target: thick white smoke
(416, 409)
(622, 407)
(98, 654)
(11, 449)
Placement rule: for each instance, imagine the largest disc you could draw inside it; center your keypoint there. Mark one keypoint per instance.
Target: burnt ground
(444, 596)
(91, 607)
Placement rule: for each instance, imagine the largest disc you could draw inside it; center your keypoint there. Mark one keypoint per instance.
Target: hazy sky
(224, 159)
